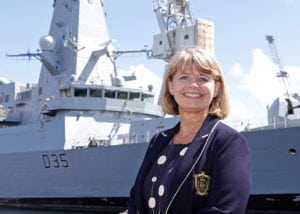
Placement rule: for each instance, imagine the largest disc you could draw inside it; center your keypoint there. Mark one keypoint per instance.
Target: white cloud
(242, 116)
(261, 81)
(236, 70)
(253, 90)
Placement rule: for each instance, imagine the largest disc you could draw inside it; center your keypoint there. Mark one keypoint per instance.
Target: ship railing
(96, 141)
(248, 125)
(83, 142)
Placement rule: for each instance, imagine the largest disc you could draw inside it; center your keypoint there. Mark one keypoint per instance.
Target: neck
(188, 129)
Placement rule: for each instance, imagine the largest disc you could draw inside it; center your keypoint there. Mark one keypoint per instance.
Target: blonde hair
(204, 62)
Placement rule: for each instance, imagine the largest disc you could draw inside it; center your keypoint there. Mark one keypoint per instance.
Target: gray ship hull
(107, 173)
(110, 171)
(276, 161)
(82, 173)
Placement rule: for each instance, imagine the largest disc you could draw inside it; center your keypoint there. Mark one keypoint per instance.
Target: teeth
(192, 95)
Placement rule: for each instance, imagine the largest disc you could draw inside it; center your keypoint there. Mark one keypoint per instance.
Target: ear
(170, 86)
(217, 88)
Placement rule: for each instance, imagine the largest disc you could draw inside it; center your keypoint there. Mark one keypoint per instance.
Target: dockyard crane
(275, 57)
(283, 75)
(173, 14)
(178, 30)
(170, 15)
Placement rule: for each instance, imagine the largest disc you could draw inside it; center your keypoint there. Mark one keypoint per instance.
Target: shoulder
(230, 149)
(227, 137)
(224, 130)
(169, 132)
(164, 135)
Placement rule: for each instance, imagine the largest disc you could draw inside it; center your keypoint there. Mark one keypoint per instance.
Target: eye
(203, 79)
(184, 77)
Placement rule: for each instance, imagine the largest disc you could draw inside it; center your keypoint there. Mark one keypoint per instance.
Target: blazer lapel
(191, 155)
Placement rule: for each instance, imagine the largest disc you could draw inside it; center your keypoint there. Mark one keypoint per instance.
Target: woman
(201, 165)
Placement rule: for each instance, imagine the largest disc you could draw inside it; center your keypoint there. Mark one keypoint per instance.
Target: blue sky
(240, 44)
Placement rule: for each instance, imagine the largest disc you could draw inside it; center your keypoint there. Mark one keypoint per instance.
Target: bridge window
(80, 92)
(122, 95)
(65, 92)
(95, 92)
(134, 96)
(147, 98)
(110, 94)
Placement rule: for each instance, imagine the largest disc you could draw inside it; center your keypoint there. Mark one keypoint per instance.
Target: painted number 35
(55, 160)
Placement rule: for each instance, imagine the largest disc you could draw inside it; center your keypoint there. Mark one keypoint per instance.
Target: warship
(76, 139)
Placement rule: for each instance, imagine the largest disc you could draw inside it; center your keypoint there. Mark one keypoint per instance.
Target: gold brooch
(202, 181)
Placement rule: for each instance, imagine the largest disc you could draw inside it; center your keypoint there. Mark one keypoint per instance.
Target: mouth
(194, 95)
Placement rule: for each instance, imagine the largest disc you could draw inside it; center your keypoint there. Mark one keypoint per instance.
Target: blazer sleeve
(131, 208)
(231, 174)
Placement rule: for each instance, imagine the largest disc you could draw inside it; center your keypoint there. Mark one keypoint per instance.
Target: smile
(193, 94)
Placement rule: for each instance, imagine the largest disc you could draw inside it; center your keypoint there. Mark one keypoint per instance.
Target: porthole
(292, 151)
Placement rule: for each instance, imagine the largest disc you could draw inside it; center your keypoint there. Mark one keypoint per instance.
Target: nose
(194, 82)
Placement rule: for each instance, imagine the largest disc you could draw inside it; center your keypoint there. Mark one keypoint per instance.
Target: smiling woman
(201, 165)
(200, 66)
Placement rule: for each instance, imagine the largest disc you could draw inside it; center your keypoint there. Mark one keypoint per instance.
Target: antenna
(26, 55)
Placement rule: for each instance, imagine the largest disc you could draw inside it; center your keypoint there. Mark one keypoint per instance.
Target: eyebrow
(201, 73)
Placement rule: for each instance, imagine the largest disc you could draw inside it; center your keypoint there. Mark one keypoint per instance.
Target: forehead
(192, 68)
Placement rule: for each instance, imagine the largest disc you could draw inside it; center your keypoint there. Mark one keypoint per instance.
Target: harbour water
(25, 211)
(22, 211)
(28, 211)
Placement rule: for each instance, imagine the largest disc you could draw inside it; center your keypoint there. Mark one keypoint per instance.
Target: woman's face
(193, 90)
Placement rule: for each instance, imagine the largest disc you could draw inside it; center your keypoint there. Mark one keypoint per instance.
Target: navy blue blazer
(219, 182)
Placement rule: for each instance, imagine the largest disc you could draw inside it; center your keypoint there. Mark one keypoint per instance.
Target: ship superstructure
(79, 100)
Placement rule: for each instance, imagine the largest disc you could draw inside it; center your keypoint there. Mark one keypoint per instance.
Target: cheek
(209, 88)
(175, 86)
